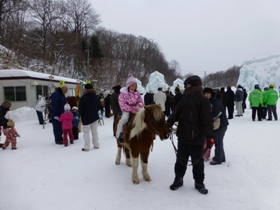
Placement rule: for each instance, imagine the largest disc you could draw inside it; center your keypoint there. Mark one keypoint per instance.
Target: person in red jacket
(66, 120)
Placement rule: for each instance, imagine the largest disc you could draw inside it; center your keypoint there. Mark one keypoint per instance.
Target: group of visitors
(200, 113)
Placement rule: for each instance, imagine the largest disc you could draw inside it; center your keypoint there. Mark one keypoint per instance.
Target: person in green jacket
(270, 99)
(264, 106)
(256, 100)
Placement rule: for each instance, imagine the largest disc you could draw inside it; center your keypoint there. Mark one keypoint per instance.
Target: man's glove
(56, 117)
(210, 142)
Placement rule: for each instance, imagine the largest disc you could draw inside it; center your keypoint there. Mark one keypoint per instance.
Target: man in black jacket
(88, 108)
(195, 123)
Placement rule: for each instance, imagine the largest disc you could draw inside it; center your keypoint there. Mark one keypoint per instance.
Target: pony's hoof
(136, 182)
(118, 162)
(148, 179)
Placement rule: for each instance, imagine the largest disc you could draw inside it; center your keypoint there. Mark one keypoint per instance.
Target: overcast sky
(202, 35)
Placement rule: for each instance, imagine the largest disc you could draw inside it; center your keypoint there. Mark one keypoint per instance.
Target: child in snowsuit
(75, 122)
(66, 119)
(130, 100)
(11, 135)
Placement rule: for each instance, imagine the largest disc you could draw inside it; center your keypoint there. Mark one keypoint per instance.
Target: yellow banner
(77, 92)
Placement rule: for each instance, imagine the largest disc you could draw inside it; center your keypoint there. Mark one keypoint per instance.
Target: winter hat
(209, 90)
(74, 108)
(257, 86)
(271, 85)
(6, 104)
(88, 86)
(67, 107)
(193, 80)
(266, 88)
(11, 123)
(130, 80)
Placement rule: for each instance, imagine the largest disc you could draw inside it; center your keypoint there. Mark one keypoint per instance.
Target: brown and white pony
(139, 136)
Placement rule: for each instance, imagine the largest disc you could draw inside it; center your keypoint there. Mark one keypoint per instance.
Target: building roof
(26, 74)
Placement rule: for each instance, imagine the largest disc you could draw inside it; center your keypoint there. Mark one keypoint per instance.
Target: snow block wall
(262, 71)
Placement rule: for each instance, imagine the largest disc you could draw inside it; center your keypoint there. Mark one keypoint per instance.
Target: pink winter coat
(130, 101)
(11, 134)
(66, 119)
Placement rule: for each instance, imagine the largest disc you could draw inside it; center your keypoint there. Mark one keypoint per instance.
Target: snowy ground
(41, 175)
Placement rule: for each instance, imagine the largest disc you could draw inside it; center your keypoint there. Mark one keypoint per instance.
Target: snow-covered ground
(41, 175)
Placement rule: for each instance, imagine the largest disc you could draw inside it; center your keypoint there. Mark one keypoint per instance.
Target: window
(42, 91)
(15, 93)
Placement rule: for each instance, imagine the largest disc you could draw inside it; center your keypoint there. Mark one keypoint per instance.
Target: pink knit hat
(67, 107)
(131, 80)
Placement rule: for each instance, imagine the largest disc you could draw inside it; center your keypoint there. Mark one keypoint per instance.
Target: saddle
(126, 126)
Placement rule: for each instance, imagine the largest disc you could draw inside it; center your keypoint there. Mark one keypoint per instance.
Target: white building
(23, 87)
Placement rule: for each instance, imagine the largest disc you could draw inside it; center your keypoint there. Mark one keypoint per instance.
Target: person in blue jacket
(57, 108)
(75, 122)
(218, 111)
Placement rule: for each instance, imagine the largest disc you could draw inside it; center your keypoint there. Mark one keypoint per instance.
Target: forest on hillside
(64, 37)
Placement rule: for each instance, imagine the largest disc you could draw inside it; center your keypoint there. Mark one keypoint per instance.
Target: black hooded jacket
(195, 120)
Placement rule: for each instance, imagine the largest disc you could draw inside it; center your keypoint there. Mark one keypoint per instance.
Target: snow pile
(262, 71)
(22, 114)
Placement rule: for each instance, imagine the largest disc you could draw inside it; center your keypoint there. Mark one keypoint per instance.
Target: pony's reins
(183, 159)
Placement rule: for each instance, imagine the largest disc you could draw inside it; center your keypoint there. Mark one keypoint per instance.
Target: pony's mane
(157, 112)
(139, 123)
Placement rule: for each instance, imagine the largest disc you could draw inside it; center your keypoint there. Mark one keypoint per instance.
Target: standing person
(149, 98)
(4, 108)
(66, 120)
(171, 100)
(11, 135)
(239, 95)
(88, 108)
(218, 112)
(107, 105)
(178, 97)
(40, 109)
(130, 100)
(244, 100)
(57, 108)
(230, 102)
(115, 105)
(195, 123)
(270, 99)
(167, 104)
(264, 105)
(160, 98)
(75, 122)
(224, 96)
(256, 100)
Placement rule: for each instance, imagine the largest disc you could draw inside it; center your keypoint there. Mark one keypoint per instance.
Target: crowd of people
(200, 114)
